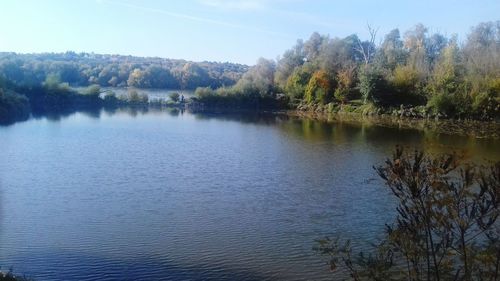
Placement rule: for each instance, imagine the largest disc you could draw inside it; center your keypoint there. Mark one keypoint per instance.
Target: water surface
(162, 195)
(153, 94)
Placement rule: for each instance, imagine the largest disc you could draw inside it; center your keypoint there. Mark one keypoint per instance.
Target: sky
(238, 31)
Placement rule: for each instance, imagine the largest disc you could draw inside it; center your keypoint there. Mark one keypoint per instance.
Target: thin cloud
(245, 5)
(314, 20)
(197, 18)
(270, 7)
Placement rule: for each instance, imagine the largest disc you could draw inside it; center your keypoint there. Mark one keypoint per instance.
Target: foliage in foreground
(447, 226)
(9, 276)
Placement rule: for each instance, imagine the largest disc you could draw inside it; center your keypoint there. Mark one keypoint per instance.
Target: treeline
(53, 97)
(84, 69)
(415, 73)
(255, 90)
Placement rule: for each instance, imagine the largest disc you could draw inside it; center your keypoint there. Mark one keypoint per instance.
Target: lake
(153, 94)
(169, 195)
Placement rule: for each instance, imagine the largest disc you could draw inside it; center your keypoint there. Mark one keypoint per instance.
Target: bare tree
(367, 48)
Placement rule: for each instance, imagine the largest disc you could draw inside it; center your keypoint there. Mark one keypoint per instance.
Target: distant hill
(83, 69)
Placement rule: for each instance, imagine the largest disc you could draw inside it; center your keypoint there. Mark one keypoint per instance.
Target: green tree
(407, 86)
(391, 52)
(174, 97)
(259, 80)
(192, 76)
(345, 83)
(286, 65)
(320, 88)
(297, 82)
(373, 86)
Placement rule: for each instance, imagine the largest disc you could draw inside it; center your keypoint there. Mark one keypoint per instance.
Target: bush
(406, 86)
(296, 84)
(441, 104)
(134, 98)
(494, 87)
(446, 226)
(485, 106)
(92, 90)
(345, 82)
(174, 97)
(110, 99)
(13, 107)
(374, 87)
(319, 88)
(9, 276)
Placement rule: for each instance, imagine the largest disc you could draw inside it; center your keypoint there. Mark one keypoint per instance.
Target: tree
(373, 86)
(345, 83)
(192, 76)
(446, 73)
(319, 89)
(259, 80)
(391, 52)
(136, 78)
(290, 60)
(482, 48)
(367, 48)
(415, 44)
(434, 46)
(174, 97)
(407, 86)
(297, 82)
(313, 45)
(336, 54)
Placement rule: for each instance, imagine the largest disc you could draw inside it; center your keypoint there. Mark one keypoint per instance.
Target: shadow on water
(337, 131)
(56, 116)
(87, 267)
(366, 132)
(245, 118)
(321, 154)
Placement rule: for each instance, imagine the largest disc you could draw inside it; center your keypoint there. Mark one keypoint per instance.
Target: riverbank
(419, 118)
(471, 128)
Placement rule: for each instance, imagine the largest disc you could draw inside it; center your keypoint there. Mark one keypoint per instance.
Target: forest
(414, 73)
(84, 69)
(43, 83)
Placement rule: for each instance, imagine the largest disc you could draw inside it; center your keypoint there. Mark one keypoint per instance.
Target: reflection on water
(154, 194)
(153, 94)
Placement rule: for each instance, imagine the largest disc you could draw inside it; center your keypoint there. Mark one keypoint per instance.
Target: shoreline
(471, 128)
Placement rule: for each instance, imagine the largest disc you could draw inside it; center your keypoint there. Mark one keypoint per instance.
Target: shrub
(13, 107)
(319, 88)
(446, 226)
(134, 98)
(110, 99)
(345, 82)
(296, 84)
(486, 106)
(92, 90)
(441, 104)
(406, 85)
(373, 86)
(174, 97)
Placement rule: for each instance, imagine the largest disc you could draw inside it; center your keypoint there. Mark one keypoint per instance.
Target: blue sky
(217, 30)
